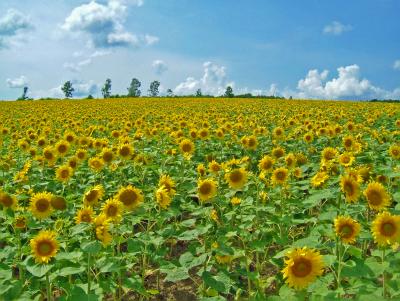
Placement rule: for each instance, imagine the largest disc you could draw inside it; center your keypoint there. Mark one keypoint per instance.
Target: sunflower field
(199, 199)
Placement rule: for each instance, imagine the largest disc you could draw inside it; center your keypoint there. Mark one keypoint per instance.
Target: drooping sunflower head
(350, 188)
(131, 197)
(163, 198)
(64, 173)
(8, 201)
(168, 183)
(266, 163)
(40, 205)
(206, 189)
(376, 195)
(280, 176)
(44, 246)
(112, 209)
(92, 196)
(84, 215)
(302, 267)
(236, 178)
(235, 201)
(347, 229)
(386, 229)
(103, 234)
(186, 146)
(58, 203)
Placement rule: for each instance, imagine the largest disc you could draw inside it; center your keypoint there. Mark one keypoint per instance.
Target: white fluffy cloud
(12, 24)
(347, 85)
(104, 24)
(336, 28)
(213, 81)
(159, 66)
(18, 82)
(396, 65)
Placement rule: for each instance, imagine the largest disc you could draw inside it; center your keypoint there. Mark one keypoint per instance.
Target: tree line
(134, 91)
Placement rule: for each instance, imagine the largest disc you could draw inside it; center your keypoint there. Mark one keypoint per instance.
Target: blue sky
(307, 49)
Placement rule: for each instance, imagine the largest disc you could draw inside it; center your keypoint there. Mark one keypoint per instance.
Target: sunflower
(350, 188)
(346, 159)
(308, 137)
(20, 222)
(278, 133)
(278, 152)
(8, 201)
(62, 147)
(112, 209)
(131, 197)
(319, 179)
(168, 183)
(107, 155)
(348, 142)
(266, 163)
(376, 195)
(81, 154)
(279, 176)
(103, 233)
(252, 142)
(235, 201)
(84, 215)
(290, 160)
(73, 162)
(163, 198)
(125, 151)
(201, 169)
(93, 195)
(302, 267)
(44, 246)
(214, 166)
(386, 229)
(96, 164)
(58, 203)
(40, 205)
(394, 152)
(64, 173)
(328, 154)
(186, 146)
(236, 178)
(206, 189)
(48, 154)
(347, 229)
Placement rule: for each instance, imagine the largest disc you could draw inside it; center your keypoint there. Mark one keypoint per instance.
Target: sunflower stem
(48, 287)
(383, 275)
(88, 274)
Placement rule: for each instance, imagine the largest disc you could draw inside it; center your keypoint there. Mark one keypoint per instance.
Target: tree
(153, 90)
(170, 93)
(198, 93)
(106, 90)
(229, 92)
(24, 97)
(133, 89)
(67, 89)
